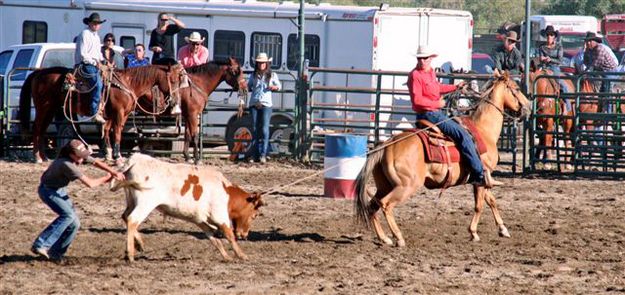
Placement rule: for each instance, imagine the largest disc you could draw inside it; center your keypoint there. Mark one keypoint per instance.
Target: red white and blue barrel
(345, 155)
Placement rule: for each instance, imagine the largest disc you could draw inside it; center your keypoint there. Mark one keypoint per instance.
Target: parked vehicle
(613, 28)
(370, 38)
(482, 63)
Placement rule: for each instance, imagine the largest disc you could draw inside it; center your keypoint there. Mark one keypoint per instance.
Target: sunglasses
(164, 19)
(195, 43)
(109, 40)
(423, 58)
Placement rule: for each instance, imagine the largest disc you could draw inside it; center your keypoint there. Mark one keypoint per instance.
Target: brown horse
(203, 80)
(549, 109)
(399, 166)
(46, 86)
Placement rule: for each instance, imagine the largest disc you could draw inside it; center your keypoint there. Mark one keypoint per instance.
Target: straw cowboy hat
(262, 57)
(549, 30)
(93, 18)
(425, 51)
(194, 37)
(592, 36)
(511, 35)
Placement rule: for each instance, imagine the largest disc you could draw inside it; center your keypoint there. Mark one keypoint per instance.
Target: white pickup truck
(36, 55)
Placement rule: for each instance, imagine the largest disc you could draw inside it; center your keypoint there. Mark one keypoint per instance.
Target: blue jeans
(261, 118)
(96, 92)
(57, 237)
(460, 136)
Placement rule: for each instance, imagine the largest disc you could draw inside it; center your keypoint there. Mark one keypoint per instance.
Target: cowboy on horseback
(550, 55)
(425, 94)
(88, 57)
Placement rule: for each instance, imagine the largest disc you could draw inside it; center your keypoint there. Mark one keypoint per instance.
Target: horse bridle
(514, 93)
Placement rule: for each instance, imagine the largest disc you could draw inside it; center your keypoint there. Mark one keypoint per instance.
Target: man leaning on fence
(600, 57)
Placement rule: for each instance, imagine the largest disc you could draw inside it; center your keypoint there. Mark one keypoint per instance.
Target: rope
(383, 146)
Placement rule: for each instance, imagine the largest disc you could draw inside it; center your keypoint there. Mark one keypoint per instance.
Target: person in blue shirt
(261, 84)
(136, 58)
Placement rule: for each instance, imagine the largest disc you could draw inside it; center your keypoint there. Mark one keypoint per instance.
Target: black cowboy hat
(592, 36)
(549, 30)
(93, 18)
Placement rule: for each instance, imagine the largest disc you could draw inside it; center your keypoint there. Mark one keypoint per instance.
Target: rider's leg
(462, 139)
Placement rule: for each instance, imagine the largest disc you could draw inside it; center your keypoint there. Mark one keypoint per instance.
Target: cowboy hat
(511, 35)
(79, 148)
(549, 30)
(93, 18)
(194, 37)
(425, 51)
(262, 57)
(592, 36)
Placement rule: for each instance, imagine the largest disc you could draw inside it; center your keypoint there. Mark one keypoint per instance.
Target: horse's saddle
(439, 148)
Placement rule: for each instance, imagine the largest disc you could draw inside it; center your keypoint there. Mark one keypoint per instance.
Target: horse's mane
(489, 87)
(140, 76)
(209, 67)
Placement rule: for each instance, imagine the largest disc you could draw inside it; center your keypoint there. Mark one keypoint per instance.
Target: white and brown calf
(200, 195)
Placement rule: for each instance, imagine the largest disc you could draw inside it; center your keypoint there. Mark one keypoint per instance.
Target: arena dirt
(567, 237)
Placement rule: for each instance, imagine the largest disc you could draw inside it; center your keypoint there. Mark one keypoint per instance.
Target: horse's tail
(362, 202)
(24, 111)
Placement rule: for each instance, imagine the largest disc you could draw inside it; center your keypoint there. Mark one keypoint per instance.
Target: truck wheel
(280, 134)
(64, 134)
(239, 129)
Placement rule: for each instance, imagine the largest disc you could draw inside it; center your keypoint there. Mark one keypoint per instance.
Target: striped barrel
(345, 155)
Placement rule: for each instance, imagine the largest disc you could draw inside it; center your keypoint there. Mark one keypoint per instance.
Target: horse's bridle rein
(514, 93)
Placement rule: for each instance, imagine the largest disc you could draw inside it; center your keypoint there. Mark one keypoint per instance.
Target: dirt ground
(567, 237)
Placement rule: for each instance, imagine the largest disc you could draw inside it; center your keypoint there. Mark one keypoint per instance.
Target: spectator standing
(162, 39)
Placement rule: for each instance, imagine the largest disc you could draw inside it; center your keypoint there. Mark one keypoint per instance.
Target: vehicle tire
(281, 133)
(239, 129)
(64, 134)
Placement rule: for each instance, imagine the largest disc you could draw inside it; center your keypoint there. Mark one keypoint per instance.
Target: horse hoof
(503, 232)
(387, 241)
(401, 243)
(243, 257)
(475, 238)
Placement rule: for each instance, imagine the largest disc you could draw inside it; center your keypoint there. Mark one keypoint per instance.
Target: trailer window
(128, 42)
(271, 43)
(58, 58)
(34, 32)
(229, 43)
(22, 60)
(311, 50)
(186, 32)
(5, 56)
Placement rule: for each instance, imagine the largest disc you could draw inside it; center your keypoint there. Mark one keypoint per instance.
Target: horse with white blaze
(200, 195)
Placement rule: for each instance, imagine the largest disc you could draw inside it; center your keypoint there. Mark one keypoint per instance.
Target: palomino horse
(46, 86)
(399, 166)
(547, 111)
(204, 79)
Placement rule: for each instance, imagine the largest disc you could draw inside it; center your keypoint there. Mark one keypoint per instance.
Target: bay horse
(549, 109)
(47, 89)
(399, 167)
(203, 80)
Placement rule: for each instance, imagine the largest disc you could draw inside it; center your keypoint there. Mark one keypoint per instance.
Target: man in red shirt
(425, 94)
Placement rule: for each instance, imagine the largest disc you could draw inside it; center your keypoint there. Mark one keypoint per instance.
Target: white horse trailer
(336, 36)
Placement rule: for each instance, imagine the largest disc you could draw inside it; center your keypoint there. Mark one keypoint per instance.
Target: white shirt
(88, 48)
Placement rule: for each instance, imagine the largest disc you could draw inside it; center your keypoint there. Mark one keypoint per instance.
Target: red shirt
(425, 91)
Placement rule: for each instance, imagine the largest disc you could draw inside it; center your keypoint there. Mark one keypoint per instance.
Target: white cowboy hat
(262, 57)
(194, 37)
(425, 51)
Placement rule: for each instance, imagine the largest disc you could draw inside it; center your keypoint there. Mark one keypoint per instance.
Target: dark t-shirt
(165, 41)
(61, 172)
